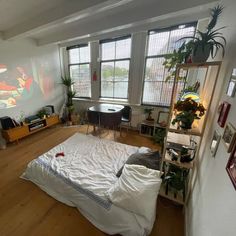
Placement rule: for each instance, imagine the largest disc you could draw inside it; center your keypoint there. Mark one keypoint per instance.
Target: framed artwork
(224, 111)
(231, 166)
(229, 136)
(162, 118)
(232, 84)
(215, 143)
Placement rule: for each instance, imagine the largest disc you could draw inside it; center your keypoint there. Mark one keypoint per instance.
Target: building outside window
(156, 89)
(79, 69)
(115, 63)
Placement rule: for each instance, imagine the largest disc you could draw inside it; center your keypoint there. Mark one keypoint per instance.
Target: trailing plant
(177, 57)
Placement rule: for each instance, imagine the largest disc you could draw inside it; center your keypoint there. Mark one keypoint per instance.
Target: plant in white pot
(209, 42)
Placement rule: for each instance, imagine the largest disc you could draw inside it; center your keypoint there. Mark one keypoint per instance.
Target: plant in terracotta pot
(208, 42)
(187, 111)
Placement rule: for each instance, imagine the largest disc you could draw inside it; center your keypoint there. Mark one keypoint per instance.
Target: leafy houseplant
(68, 82)
(176, 179)
(159, 137)
(177, 57)
(206, 43)
(188, 110)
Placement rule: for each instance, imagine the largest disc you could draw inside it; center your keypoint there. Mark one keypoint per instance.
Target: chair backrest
(127, 113)
(110, 119)
(93, 117)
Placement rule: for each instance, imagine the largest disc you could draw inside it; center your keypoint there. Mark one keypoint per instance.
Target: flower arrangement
(188, 110)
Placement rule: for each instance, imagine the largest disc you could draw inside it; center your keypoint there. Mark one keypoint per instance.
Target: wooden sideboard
(19, 132)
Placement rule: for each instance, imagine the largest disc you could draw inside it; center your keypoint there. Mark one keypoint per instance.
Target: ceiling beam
(114, 22)
(73, 10)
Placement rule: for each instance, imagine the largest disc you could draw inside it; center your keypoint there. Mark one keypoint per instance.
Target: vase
(201, 54)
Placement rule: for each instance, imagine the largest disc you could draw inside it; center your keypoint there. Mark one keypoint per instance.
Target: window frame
(153, 31)
(79, 64)
(114, 60)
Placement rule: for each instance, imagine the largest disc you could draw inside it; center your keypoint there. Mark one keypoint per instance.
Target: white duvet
(82, 177)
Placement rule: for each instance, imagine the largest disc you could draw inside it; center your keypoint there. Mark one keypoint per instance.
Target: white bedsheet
(82, 177)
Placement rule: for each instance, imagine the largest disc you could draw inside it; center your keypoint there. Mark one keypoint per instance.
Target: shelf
(198, 65)
(202, 77)
(17, 133)
(194, 131)
(186, 165)
(182, 139)
(171, 196)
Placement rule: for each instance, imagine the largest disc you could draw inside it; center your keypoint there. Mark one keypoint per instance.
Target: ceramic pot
(201, 54)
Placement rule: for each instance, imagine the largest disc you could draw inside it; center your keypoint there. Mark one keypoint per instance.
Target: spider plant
(206, 43)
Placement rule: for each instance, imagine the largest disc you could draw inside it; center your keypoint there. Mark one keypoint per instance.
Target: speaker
(49, 109)
(7, 123)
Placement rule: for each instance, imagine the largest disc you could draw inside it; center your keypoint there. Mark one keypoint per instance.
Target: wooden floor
(26, 210)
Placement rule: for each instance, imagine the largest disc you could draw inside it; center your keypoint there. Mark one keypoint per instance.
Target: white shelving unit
(206, 75)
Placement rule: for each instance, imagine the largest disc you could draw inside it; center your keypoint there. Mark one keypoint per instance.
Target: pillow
(136, 190)
(151, 160)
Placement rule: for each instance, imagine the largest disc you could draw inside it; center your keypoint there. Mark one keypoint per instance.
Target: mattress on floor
(81, 178)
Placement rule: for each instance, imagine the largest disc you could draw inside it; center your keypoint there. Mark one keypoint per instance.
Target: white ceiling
(59, 21)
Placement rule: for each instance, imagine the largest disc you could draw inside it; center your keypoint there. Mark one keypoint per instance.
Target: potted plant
(176, 179)
(206, 43)
(149, 111)
(159, 137)
(187, 111)
(177, 57)
(68, 82)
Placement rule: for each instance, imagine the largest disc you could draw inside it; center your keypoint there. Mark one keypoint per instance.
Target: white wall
(211, 210)
(40, 63)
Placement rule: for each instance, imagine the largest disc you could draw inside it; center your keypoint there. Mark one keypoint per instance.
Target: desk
(106, 108)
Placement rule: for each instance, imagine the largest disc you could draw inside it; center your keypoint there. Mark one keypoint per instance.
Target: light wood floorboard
(25, 210)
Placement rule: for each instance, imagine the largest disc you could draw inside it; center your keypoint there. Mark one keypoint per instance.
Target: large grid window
(115, 61)
(79, 69)
(156, 90)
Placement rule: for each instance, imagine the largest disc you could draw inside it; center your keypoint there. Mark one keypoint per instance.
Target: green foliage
(148, 110)
(108, 72)
(176, 177)
(188, 111)
(177, 57)
(210, 38)
(67, 81)
(159, 136)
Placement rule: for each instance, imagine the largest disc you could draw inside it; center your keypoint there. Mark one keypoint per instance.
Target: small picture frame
(231, 166)
(224, 111)
(229, 136)
(232, 84)
(162, 118)
(215, 143)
